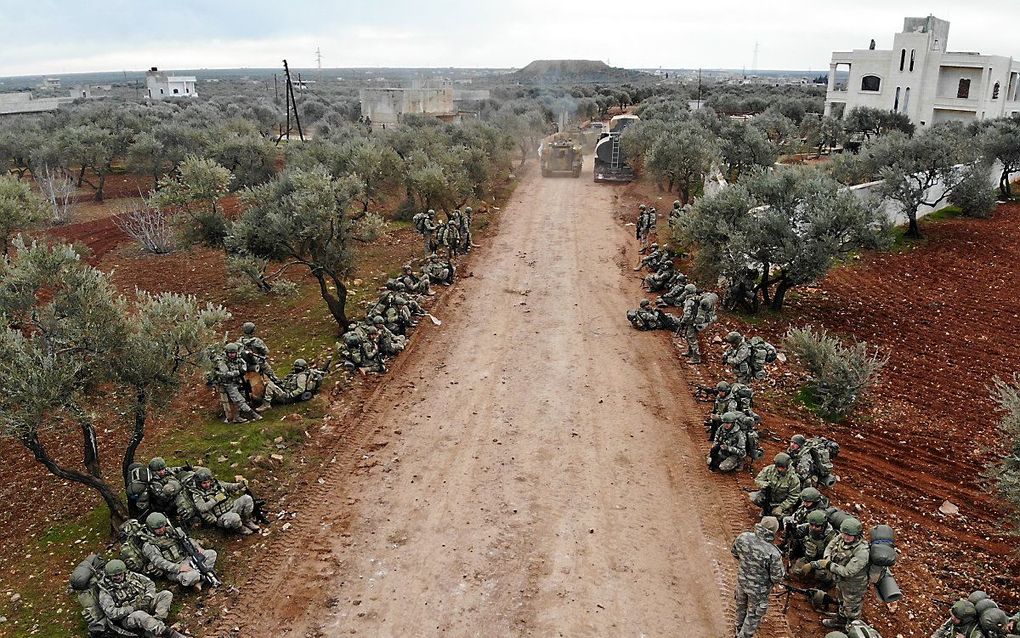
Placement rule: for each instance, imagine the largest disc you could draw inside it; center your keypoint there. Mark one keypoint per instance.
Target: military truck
(561, 157)
(610, 163)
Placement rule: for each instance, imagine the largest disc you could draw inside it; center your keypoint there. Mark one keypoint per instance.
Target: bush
(151, 228)
(975, 195)
(1005, 472)
(840, 374)
(370, 227)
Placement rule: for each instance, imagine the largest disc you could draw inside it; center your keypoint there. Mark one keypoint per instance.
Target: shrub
(975, 195)
(840, 374)
(151, 228)
(1005, 472)
(370, 227)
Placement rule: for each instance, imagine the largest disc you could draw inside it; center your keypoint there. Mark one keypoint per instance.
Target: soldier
(412, 283)
(438, 271)
(154, 498)
(722, 404)
(650, 259)
(847, 558)
(350, 350)
(650, 224)
(759, 570)
(465, 229)
(163, 548)
(640, 228)
(699, 313)
(130, 601)
(730, 446)
(183, 509)
(796, 450)
(255, 352)
(963, 621)
(738, 356)
(778, 488)
(675, 213)
(812, 537)
(425, 223)
(659, 279)
(856, 629)
(228, 374)
(678, 292)
(371, 360)
(810, 500)
(300, 385)
(390, 344)
(450, 236)
(993, 622)
(222, 504)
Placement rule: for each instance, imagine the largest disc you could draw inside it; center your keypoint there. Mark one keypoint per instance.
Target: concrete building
(161, 86)
(436, 97)
(921, 78)
(24, 102)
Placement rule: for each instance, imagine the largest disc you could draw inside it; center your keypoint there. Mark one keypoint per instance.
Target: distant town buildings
(436, 97)
(25, 102)
(921, 78)
(161, 86)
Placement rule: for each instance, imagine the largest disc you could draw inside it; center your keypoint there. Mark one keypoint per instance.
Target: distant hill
(574, 72)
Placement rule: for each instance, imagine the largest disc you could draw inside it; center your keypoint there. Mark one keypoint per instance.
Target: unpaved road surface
(534, 467)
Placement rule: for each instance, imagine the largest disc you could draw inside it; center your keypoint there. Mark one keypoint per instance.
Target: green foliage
(248, 157)
(776, 230)
(370, 227)
(682, 156)
(870, 122)
(20, 209)
(745, 147)
(974, 194)
(300, 219)
(1005, 471)
(1000, 141)
(840, 374)
(194, 190)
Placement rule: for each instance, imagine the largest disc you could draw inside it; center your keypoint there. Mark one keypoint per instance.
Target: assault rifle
(258, 512)
(706, 393)
(197, 557)
(819, 599)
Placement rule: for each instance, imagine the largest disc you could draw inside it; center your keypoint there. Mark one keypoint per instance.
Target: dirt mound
(574, 72)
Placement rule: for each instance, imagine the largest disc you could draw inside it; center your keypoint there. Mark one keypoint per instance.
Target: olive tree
(20, 208)
(70, 342)
(775, 230)
(1005, 470)
(681, 157)
(195, 190)
(300, 220)
(1001, 141)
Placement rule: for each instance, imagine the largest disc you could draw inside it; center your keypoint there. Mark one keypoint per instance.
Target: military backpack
(762, 352)
(132, 539)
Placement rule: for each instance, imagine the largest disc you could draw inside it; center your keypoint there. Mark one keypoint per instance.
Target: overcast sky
(54, 36)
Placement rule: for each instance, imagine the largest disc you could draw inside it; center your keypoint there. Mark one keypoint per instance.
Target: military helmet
(401, 286)
(782, 460)
(203, 474)
(770, 523)
(155, 521)
(817, 517)
(851, 526)
(984, 605)
(642, 206)
(400, 301)
(115, 567)
(722, 386)
(835, 634)
(248, 327)
(644, 303)
(730, 417)
(378, 319)
(745, 392)
(372, 331)
(171, 488)
(690, 289)
(232, 348)
(799, 439)
(976, 596)
(706, 303)
(746, 420)
(468, 209)
(993, 620)
(157, 464)
(655, 244)
(431, 212)
(300, 364)
(810, 494)
(676, 203)
(733, 337)
(963, 609)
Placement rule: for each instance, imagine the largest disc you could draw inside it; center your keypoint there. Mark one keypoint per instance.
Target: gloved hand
(821, 564)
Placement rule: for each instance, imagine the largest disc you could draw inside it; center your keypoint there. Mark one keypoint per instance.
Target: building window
(871, 83)
(161, 91)
(963, 91)
(995, 91)
(903, 58)
(896, 103)
(912, 51)
(176, 91)
(906, 99)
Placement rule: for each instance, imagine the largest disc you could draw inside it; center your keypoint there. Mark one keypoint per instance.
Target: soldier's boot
(173, 633)
(252, 526)
(839, 622)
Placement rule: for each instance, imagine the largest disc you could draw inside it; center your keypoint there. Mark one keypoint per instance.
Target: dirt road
(534, 467)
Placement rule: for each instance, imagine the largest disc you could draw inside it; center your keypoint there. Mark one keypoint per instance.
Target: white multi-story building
(919, 77)
(160, 86)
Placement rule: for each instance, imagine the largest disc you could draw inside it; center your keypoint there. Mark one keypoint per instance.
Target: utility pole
(699, 89)
(291, 103)
(318, 59)
(754, 60)
(276, 88)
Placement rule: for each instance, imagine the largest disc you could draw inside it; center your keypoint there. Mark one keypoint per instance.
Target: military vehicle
(561, 157)
(610, 163)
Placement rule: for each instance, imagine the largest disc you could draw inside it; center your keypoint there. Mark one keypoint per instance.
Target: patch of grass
(806, 397)
(942, 214)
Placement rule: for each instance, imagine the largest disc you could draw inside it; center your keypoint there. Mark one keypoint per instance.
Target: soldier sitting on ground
(412, 283)
(677, 292)
(811, 500)
(228, 375)
(222, 504)
(811, 538)
(659, 279)
(847, 558)
(651, 260)
(154, 498)
(778, 488)
(644, 317)
(300, 385)
(371, 357)
(165, 551)
(390, 344)
(131, 602)
(438, 270)
(729, 447)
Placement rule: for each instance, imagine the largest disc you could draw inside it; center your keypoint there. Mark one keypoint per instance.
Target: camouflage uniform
(760, 568)
(659, 279)
(390, 344)
(678, 291)
(465, 229)
(228, 373)
(256, 352)
(425, 223)
(166, 554)
(412, 283)
(450, 236)
(299, 385)
(738, 357)
(641, 227)
(154, 498)
(135, 604)
(730, 447)
(811, 543)
(699, 313)
(438, 271)
(783, 491)
(223, 505)
(848, 564)
(644, 317)
(371, 359)
(962, 622)
(651, 261)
